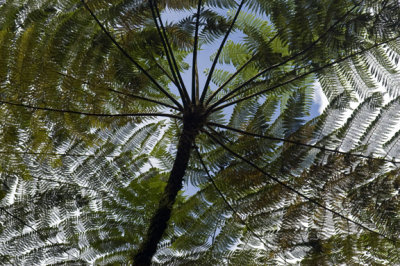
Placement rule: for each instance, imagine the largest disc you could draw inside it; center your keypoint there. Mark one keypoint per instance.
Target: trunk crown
(194, 119)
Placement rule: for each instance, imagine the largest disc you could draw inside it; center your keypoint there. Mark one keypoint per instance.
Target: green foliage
(86, 156)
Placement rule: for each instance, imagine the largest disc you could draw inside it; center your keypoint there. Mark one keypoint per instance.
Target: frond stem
(123, 93)
(57, 154)
(300, 143)
(195, 88)
(126, 54)
(144, 99)
(290, 188)
(215, 107)
(225, 200)
(237, 72)
(300, 53)
(204, 92)
(165, 72)
(166, 50)
(178, 73)
(88, 114)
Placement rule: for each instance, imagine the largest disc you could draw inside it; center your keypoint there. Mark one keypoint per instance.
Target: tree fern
(97, 146)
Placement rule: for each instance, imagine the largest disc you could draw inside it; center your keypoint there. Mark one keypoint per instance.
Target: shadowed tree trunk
(193, 121)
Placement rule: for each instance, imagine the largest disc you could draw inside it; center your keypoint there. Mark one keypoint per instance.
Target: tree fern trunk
(159, 221)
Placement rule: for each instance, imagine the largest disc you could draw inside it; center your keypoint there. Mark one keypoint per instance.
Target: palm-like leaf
(86, 161)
